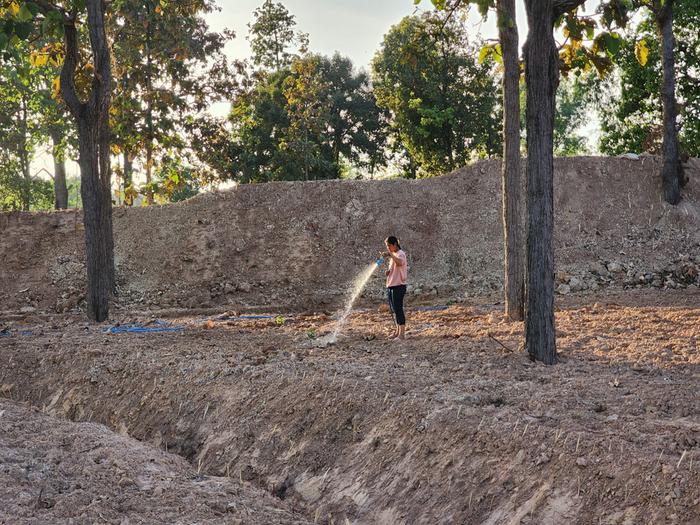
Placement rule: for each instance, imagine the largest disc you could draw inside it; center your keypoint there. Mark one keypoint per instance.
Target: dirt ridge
(283, 245)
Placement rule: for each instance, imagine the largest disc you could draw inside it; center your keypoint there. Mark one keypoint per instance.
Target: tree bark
(92, 119)
(514, 279)
(23, 151)
(671, 172)
(542, 78)
(128, 173)
(149, 114)
(60, 187)
(559, 7)
(26, 190)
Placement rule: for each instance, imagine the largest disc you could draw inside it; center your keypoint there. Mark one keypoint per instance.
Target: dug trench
(455, 425)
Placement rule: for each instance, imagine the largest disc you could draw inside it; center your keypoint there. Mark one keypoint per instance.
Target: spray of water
(357, 286)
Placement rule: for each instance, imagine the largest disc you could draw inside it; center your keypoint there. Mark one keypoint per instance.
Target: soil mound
(53, 471)
(283, 245)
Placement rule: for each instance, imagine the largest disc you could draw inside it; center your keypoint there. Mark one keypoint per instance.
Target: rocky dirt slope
(53, 471)
(283, 245)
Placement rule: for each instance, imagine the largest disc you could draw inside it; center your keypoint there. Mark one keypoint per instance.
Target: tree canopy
(307, 121)
(632, 109)
(443, 102)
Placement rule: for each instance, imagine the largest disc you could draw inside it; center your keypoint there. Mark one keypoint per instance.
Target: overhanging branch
(68, 70)
(49, 7)
(559, 7)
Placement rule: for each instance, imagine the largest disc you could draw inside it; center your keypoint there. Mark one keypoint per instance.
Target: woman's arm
(398, 261)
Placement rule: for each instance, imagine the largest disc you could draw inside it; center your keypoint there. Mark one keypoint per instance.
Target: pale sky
(354, 28)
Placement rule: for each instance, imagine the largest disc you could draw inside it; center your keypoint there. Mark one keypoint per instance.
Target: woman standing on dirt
(396, 277)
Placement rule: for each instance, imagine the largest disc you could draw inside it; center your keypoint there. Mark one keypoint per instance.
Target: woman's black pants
(395, 296)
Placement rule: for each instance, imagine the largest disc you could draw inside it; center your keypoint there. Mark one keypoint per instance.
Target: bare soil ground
(455, 425)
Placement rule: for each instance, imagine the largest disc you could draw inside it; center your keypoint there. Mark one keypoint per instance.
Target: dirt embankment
(453, 426)
(54, 471)
(284, 245)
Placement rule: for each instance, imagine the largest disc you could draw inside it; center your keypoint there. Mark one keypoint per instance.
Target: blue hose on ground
(243, 317)
(6, 332)
(429, 308)
(159, 326)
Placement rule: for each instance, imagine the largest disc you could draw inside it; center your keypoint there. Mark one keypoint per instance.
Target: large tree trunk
(60, 187)
(671, 173)
(542, 78)
(514, 278)
(92, 119)
(97, 208)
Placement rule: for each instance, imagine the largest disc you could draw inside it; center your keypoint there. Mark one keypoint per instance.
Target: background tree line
(429, 104)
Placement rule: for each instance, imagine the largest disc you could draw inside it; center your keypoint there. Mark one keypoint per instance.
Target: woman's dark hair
(393, 240)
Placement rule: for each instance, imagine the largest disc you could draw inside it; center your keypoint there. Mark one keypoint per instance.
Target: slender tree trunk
(26, 193)
(542, 78)
(149, 172)
(447, 129)
(128, 175)
(671, 173)
(60, 188)
(278, 47)
(26, 190)
(514, 276)
(149, 113)
(92, 119)
(128, 168)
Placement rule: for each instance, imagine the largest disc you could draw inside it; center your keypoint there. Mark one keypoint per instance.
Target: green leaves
(167, 74)
(632, 115)
(19, 21)
(23, 30)
(483, 6)
(442, 100)
(611, 43)
(27, 114)
(616, 12)
(577, 56)
(25, 14)
(272, 34)
(312, 120)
